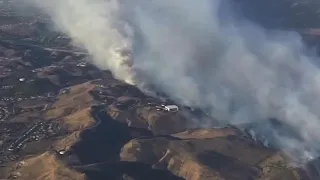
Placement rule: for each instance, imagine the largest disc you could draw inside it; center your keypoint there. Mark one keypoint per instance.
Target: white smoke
(94, 25)
(205, 58)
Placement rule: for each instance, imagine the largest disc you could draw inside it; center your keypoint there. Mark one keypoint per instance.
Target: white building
(82, 64)
(171, 108)
(62, 152)
(22, 79)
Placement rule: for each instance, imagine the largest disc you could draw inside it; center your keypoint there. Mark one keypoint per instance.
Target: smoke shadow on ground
(127, 170)
(99, 148)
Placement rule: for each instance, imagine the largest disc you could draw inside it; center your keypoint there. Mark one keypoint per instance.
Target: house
(171, 108)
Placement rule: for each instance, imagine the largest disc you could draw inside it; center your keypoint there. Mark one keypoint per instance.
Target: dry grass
(192, 170)
(79, 120)
(67, 142)
(206, 133)
(47, 167)
(278, 166)
(77, 99)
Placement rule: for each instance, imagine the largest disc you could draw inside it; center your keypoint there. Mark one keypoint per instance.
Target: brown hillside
(45, 167)
(210, 154)
(76, 99)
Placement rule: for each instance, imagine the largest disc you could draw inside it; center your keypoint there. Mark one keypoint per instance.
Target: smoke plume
(95, 26)
(203, 56)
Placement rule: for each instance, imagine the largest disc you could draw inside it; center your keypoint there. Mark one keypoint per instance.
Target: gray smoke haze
(201, 55)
